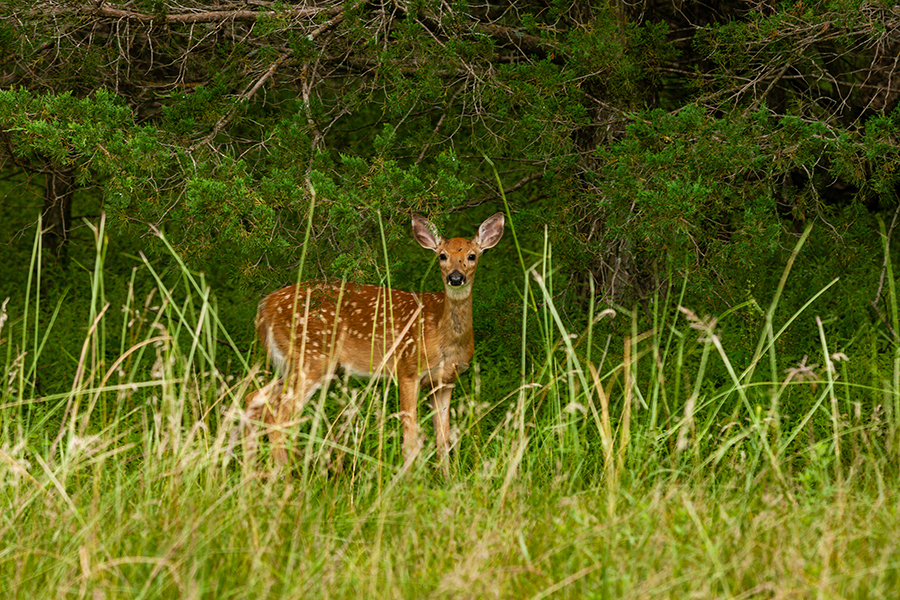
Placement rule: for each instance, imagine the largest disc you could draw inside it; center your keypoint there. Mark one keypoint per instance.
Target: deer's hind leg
(260, 406)
(283, 405)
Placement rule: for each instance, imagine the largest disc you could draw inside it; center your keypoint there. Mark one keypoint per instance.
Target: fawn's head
(458, 256)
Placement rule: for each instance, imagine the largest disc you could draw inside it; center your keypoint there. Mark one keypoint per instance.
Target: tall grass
(645, 465)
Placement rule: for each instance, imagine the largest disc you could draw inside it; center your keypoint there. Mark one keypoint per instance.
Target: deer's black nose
(456, 278)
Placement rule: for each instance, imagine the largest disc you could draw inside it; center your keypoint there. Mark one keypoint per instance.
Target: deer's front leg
(409, 400)
(440, 416)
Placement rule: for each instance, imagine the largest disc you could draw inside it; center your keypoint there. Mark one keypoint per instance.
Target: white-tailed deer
(311, 329)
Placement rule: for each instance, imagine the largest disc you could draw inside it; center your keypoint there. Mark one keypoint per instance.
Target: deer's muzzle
(456, 278)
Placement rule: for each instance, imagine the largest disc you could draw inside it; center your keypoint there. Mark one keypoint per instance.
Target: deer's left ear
(490, 231)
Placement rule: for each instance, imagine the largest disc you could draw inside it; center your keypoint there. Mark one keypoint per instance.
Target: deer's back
(355, 326)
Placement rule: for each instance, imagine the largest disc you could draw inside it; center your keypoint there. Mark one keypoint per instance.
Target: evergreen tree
(651, 138)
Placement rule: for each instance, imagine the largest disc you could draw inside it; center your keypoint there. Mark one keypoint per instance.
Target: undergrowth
(650, 465)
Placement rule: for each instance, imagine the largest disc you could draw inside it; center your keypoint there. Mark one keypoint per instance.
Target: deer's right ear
(425, 233)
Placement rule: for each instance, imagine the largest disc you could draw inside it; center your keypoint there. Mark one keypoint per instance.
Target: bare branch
(205, 17)
(251, 91)
(516, 186)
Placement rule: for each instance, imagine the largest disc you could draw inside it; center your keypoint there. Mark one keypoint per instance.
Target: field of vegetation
(686, 380)
(647, 464)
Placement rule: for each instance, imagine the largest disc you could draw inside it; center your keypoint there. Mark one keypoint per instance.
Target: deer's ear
(426, 233)
(490, 231)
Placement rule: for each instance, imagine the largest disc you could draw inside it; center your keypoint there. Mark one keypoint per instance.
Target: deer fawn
(423, 340)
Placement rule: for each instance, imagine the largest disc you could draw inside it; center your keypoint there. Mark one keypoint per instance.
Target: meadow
(654, 463)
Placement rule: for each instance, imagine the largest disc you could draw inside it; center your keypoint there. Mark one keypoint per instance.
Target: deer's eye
(472, 257)
(442, 256)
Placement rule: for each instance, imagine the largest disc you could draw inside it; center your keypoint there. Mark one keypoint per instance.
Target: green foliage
(713, 196)
(689, 188)
(65, 128)
(185, 114)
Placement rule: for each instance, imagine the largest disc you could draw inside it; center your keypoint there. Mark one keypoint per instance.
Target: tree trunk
(57, 215)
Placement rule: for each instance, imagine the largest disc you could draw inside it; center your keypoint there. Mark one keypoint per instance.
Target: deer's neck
(456, 319)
